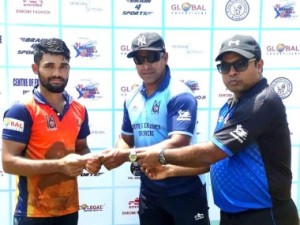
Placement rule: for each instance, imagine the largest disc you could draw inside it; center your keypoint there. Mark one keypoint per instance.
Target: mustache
(56, 78)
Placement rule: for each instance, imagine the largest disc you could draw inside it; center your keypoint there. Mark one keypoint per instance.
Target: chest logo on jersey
(239, 133)
(155, 107)
(51, 124)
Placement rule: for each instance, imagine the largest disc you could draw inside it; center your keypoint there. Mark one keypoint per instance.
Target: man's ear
(260, 66)
(35, 68)
(166, 56)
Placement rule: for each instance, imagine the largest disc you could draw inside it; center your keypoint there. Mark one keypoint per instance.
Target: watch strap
(162, 158)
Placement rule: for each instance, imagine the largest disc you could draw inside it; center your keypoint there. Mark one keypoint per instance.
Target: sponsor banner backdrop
(99, 35)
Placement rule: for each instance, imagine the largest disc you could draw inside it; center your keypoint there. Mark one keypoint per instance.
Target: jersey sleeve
(17, 124)
(182, 114)
(250, 122)
(126, 124)
(85, 129)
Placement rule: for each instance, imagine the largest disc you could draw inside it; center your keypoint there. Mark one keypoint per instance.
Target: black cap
(149, 41)
(244, 45)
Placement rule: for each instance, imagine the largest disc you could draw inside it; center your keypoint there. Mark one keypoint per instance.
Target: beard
(53, 88)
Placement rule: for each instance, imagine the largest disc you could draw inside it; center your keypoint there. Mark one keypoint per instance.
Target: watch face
(162, 158)
(132, 157)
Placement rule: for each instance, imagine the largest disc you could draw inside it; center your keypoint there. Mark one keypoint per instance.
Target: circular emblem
(280, 47)
(237, 9)
(135, 169)
(282, 86)
(186, 6)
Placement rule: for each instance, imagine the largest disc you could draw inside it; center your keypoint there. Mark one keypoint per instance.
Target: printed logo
(133, 207)
(13, 124)
(87, 49)
(91, 208)
(239, 133)
(283, 49)
(138, 7)
(282, 86)
(87, 174)
(35, 5)
(187, 8)
(29, 40)
(87, 5)
(237, 10)
(199, 216)
(89, 90)
(134, 203)
(127, 89)
(51, 124)
(141, 40)
(135, 169)
(285, 11)
(155, 107)
(184, 115)
(125, 49)
(25, 82)
(187, 48)
(194, 86)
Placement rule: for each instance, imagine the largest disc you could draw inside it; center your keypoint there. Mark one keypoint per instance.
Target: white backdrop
(99, 35)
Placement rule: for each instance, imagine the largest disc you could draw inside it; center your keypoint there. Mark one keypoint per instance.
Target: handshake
(151, 160)
(73, 164)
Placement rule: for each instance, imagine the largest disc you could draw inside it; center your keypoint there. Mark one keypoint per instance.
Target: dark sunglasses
(239, 65)
(152, 57)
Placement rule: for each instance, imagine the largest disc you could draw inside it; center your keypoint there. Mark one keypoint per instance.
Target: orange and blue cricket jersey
(47, 135)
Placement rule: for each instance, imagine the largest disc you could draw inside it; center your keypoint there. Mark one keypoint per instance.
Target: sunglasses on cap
(151, 57)
(239, 65)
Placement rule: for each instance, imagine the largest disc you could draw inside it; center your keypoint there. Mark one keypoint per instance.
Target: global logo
(186, 6)
(282, 86)
(280, 47)
(237, 9)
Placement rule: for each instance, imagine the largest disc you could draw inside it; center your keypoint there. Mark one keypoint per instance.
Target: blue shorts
(69, 219)
(190, 208)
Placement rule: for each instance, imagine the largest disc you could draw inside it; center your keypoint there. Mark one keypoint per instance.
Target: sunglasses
(152, 57)
(239, 65)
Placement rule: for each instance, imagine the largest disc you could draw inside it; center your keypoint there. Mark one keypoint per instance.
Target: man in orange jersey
(44, 138)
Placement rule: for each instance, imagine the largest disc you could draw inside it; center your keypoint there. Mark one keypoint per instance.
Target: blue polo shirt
(172, 109)
(253, 132)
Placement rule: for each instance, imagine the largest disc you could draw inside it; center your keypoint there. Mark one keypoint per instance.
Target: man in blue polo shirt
(161, 112)
(250, 151)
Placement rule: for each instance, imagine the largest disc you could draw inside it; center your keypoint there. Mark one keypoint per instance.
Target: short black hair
(53, 46)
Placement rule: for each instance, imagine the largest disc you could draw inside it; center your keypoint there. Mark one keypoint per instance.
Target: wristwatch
(132, 156)
(161, 157)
